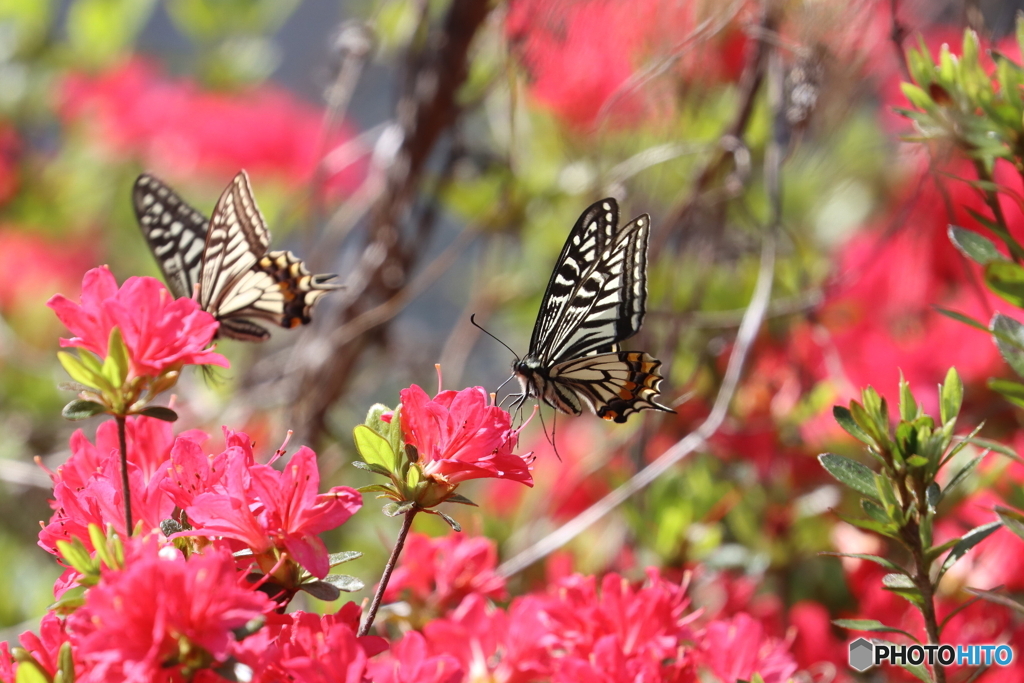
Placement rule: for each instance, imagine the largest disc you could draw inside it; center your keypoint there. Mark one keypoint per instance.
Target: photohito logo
(865, 654)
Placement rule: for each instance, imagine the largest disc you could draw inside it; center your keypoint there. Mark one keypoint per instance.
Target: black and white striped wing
(598, 290)
(176, 232)
(238, 237)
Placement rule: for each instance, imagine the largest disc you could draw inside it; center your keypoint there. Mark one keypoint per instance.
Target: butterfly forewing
(237, 238)
(588, 239)
(608, 305)
(175, 231)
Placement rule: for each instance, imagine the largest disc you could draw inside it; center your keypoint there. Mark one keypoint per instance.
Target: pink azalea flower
(45, 647)
(99, 500)
(737, 648)
(313, 649)
(267, 509)
(162, 333)
(149, 444)
(460, 436)
(439, 572)
(617, 633)
(161, 615)
(8, 667)
(409, 662)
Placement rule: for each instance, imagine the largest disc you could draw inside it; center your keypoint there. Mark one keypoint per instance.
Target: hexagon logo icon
(862, 654)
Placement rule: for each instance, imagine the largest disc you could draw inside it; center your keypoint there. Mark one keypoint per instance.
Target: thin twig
(750, 85)
(388, 568)
(897, 34)
(387, 310)
(125, 491)
(744, 339)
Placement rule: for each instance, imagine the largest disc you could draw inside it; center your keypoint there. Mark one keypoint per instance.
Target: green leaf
(1011, 391)
(885, 529)
(458, 498)
(964, 471)
(378, 488)
(394, 435)
(1013, 353)
(117, 356)
(960, 317)
(1011, 519)
(160, 413)
(345, 556)
(908, 406)
(345, 583)
(376, 469)
(875, 511)
(997, 598)
(30, 672)
(974, 246)
(872, 625)
(399, 508)
(888, 564)
(966, 542)
(846, 421)
(852, 473)
(76, 556)
(321, 590)
(81, 374)
(374, 421)
(917, 461)
(903, 585)
(934, 495)
(994, 446)
(451, 521)
(80, 409)
(65, 664)
(1006, 279)
(374, 448)
(951, 396)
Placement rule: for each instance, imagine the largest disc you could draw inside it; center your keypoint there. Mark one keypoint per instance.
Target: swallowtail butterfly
(224, 261)
(594, 300)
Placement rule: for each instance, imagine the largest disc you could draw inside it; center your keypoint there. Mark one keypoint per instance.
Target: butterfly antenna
(472, 319)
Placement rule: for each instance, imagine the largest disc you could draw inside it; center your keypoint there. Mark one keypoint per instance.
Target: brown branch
(426, 110)
(750, 85)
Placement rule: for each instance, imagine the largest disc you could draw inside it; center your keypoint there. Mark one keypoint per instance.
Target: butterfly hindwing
(237, 278)
(615, 385)
(595, 299)
(175, 231)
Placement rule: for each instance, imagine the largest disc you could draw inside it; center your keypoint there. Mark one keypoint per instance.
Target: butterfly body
(223, 262)
(595, 299)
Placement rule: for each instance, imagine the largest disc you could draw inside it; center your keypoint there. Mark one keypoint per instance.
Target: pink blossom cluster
(248, 536)
(274, 515)
(179, 128)
(580, 628)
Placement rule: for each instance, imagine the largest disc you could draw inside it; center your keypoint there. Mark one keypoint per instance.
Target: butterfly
(223, 262)
(594, 300)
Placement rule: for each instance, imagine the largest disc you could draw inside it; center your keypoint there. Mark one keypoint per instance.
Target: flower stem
(388, 568)
(125, 491)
